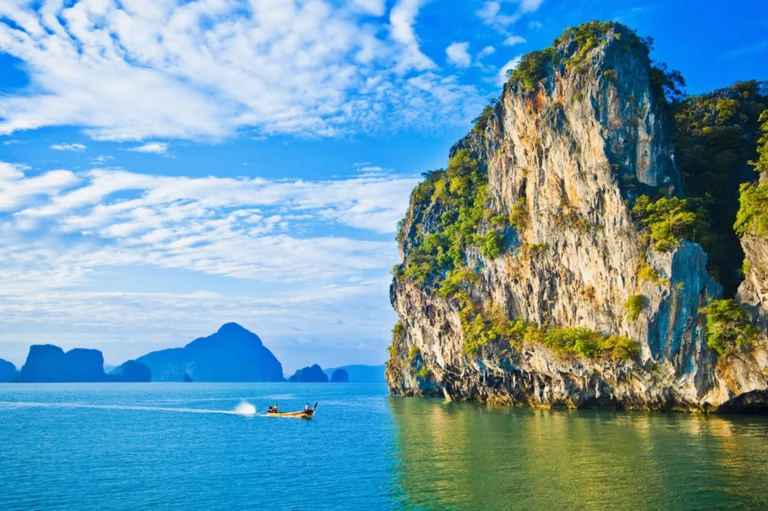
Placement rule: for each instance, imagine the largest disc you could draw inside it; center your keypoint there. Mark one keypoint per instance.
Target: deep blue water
(194, 446)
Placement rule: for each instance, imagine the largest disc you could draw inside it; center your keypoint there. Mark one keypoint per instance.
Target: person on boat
(306, 407)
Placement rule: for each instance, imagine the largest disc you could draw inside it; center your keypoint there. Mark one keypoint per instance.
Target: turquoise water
(197, 446)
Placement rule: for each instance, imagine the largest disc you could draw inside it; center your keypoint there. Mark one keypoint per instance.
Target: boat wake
(243, 409)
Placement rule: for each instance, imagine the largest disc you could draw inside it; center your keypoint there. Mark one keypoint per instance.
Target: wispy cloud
(458, 54)
(501, 15)
(513, 40)
(501, 78)
(243, 228)
(320, 246)
(206, 70)
(77, 148)
(151, 148)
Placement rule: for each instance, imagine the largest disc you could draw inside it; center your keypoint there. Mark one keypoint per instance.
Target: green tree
(671, 220)
(728, 327)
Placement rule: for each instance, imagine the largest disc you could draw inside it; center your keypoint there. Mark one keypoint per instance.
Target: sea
(201, 446)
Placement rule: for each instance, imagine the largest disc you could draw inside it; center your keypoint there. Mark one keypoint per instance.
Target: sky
(168, 166)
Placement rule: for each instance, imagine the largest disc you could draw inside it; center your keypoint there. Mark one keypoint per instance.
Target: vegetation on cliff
(455, 205)
(715, 137)
(752, 217)
(729, 327)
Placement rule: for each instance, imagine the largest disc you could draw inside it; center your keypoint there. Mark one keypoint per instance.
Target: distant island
(360, 373)
(47, 363)
(312, 374)
(232, 354)
(340, 376)
(8, 371)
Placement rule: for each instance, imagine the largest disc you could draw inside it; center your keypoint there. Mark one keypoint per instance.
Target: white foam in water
(245, 408)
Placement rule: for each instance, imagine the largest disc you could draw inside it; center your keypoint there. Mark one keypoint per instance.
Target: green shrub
(424, 373)
(671, 220)
(485, 327)
(481, 122)
(752, 217)
(413, 353)
(518, 217)
(634, 306)
(646, 272)
(728, 327)
(453, 282)
(493, 245)
(532, 69)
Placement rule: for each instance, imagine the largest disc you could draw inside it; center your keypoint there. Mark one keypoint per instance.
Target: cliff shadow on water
(596, 241)
(468, 456)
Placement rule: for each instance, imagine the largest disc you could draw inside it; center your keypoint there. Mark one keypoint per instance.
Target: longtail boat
(304, 414)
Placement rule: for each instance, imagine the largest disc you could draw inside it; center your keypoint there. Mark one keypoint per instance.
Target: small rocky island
(598, 240)
(312, 374)
(47, 363)
(8, 371)
(340, 376)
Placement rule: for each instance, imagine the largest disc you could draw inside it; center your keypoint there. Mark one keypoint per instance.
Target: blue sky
(168, 166)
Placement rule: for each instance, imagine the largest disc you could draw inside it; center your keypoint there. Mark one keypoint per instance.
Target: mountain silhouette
(232, 354)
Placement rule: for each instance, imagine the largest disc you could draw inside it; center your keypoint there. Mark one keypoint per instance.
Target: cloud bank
(204, 69)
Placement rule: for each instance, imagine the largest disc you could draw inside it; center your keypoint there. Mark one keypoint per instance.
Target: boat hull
(293, 415)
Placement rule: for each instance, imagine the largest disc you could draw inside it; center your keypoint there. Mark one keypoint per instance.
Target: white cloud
(492, 13)
(488, 11)
(530, 5)
(151, 148)
(78, 148)
(488, 50)
(402, 20)
(513, 40)
(199, 251)
(101, 159)
(512, 64)
(204, 69)
(373, 7)
(535, 25)
(458, 54)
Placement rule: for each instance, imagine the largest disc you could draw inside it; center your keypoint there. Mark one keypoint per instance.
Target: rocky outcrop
(340, 376)
(48, 364)
(131, 371)
(570, 154)
(233, 354)
(312, 374)
(187, 378)
(8, 371)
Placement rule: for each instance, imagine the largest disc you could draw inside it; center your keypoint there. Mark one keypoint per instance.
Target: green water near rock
(466, 456)
(165, 446)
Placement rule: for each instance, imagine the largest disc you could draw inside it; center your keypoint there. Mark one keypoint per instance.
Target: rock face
(313, 374)
(340, 376)
(131, 371)
(48, 363)
(8, 371)
(233, 354)
(187, 378)
(573, 152)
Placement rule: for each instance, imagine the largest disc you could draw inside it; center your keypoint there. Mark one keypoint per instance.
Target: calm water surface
(196, 446)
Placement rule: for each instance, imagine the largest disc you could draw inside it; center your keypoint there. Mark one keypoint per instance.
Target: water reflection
(468, 456)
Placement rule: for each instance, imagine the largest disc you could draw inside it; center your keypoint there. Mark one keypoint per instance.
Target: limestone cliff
(579, 133)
